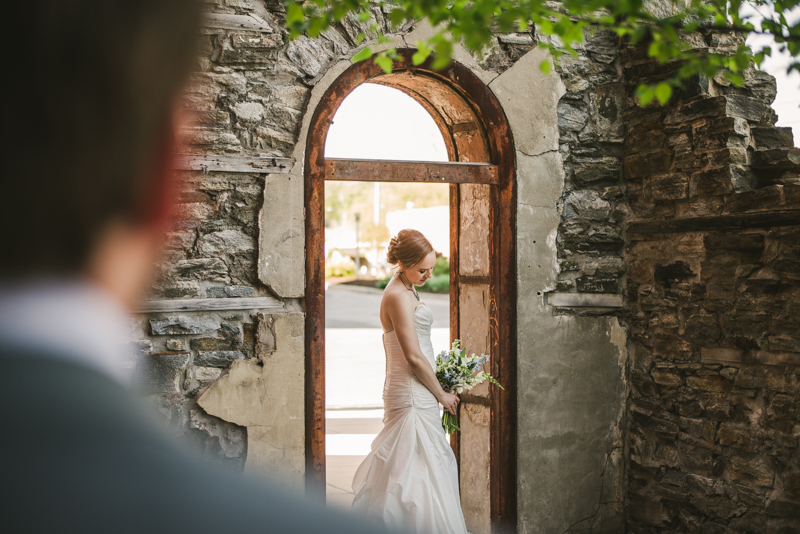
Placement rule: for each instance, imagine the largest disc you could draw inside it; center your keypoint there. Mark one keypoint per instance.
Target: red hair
(408, 248)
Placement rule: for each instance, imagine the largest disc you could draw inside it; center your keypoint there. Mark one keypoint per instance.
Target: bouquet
(456, 373)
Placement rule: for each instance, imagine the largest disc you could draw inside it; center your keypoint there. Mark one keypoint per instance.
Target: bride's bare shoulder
(394, 298)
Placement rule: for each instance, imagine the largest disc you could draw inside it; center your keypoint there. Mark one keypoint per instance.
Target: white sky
(787, 103)
(379, 122)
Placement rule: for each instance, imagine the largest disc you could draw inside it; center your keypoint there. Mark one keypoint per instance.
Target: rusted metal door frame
(460, 81)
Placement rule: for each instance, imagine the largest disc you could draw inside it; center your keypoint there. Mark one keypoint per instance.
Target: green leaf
(363, 54)
(545, 67)
(421, 54)
(294, 14)
(385, 63)
(663, 93)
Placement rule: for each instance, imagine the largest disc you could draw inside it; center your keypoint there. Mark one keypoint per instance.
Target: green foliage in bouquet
(457, 372)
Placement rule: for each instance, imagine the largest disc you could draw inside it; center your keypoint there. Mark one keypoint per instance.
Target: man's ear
(158, 212)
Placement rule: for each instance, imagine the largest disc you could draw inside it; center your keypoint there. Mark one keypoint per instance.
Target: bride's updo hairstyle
(408, 248)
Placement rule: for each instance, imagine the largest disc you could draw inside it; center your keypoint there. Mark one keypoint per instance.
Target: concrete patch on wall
(571, 369)
(266, 395)
(281, 257)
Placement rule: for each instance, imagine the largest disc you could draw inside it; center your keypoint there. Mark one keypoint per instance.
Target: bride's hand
(450, 402)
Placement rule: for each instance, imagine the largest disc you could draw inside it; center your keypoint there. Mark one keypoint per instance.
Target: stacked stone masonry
(685, 210)
(712, 293)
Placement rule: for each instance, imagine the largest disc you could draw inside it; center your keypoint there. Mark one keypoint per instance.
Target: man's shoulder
(83, 449)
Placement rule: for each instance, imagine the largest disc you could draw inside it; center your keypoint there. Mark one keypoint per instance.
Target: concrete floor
(354, 375)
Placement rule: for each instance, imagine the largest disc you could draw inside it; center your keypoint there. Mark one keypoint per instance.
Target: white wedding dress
(409, 480)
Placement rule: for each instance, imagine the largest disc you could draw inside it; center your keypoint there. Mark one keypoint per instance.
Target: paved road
(358, 307)
(355, 365)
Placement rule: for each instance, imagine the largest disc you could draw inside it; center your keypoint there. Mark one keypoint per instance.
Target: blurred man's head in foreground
(91, 95)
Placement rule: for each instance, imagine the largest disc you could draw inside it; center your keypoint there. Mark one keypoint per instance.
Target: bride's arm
(401, 312)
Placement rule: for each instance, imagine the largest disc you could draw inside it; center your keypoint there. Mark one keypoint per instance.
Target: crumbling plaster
(571, 392)
(265, 395)
(571, 371)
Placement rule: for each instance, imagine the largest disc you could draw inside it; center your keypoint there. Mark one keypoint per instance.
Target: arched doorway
(483, 264)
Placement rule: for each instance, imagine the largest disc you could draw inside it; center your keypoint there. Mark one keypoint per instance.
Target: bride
(409, 480)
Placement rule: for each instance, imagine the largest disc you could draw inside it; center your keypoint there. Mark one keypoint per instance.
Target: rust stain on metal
(361, 170)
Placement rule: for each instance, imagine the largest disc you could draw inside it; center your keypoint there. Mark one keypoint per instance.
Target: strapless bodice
(402, 387)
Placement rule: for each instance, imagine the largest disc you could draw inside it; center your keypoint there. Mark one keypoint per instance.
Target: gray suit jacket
(78, 453)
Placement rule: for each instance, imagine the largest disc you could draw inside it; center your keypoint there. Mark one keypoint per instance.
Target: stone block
(221, 358)
(735, 435)
(586, 204)
(250, 49)
(666, 377)
(571, 116)
(711, 182)
(669, 186)
(174, 344)
(185, 324)
(248, 112)
(278, 141)
(218, 292)
(291, 96)
(673, 273)
(742, 107)
(595, 284)
(742, 242)
(752, 470)
(160, 373)
(647, 141)
(208, 269)
(206, 375)
(770, 197)
(177, 289)
(226, 242)
(699, 207)
(214, 118)
(647, 163)
(595, 170)
(307, 55)
(703, 329)
(714, 384)
(779, 159)
(770, 137)
(721, 133)
(214, 142)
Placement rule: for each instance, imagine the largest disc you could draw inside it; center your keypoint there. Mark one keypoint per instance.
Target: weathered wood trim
(475, 280)
(475, 399)
(455, 236)
(362, 170)
(477, 95)
(763, 357)
(584, 300)
(762, 219)
(226, 21)
(243, 164)
(201, 305)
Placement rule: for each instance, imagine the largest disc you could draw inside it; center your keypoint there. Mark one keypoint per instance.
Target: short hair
(408, 249)
(89, 92)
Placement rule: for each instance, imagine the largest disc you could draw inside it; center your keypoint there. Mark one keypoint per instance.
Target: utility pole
(358, 252)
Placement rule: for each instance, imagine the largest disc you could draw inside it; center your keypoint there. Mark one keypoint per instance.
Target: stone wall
(713, 282)
(241, 238)
(592, 208)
